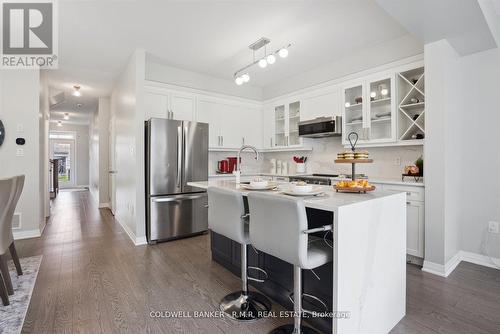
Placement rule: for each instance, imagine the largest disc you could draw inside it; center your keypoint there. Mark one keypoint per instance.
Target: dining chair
(8, 191)
(6, 236)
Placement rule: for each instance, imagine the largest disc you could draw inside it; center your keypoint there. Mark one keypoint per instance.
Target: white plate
(314, 192)
(269, 186)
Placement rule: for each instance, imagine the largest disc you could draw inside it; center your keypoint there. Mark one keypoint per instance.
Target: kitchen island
(368, 273)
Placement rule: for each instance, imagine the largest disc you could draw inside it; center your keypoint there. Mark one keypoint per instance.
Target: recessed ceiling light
(66, 116)
(59, 123)
(76, 91)
(79, 105)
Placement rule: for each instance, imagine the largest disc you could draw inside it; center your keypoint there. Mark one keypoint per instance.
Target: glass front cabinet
(286, 125)
(368, 109)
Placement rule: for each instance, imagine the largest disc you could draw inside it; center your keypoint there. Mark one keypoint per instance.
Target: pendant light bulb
(245, 77)
(283, 53)
(384, 91)
(271, 59)
(263, 63)
(239, 81)
(373, 94)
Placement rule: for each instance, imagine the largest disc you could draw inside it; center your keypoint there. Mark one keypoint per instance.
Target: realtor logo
(28, 34)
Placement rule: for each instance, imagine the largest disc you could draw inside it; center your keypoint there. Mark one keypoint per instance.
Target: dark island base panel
(279, 284)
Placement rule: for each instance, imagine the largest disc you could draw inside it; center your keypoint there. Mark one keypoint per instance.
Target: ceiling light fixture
(76, 91)
(271, 59)
(59, 123)
(66, 116)
(266, 59)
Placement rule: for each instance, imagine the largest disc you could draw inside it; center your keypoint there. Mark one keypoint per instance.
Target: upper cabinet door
(209, 112)
(157, 105)
(280, 126)
(354, 111)
(183, 106)
(326, 104)
(380, 112)
(293, 138)
(268, 139)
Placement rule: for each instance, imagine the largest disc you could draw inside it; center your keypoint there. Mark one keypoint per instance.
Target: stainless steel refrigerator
(176, 153)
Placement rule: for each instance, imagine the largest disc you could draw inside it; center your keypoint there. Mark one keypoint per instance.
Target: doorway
(62, 148)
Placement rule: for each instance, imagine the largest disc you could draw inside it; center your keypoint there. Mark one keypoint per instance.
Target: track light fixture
(241, 76)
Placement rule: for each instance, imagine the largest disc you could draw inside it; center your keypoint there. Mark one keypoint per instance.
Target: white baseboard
(446, 269)
(19, 235)
(138, 241)
(104, 205)
(480, 259)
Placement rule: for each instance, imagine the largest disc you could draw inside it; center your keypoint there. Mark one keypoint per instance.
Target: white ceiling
(461, 22)
(97, 37)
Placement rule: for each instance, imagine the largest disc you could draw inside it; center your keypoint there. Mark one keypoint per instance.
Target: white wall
(94, 156)
(480, 115)
(126, 101)
(43, 139)
(99, 153)
(19, 111)
(103, 115)
(82, 150)
(155, 71)
(462, 192)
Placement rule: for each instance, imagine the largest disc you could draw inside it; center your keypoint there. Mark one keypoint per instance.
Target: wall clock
(2, 133)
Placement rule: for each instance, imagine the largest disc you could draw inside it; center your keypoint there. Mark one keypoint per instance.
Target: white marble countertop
(381, 180)
(330, 201)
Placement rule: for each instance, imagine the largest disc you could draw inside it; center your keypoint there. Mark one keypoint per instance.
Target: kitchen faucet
(237, 172)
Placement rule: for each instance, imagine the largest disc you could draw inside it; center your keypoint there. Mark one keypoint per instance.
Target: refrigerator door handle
(179, 155)
(177, 198)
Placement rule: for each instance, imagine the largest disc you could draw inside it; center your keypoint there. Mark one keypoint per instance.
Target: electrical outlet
(493, 227)
(397, 161)
(20, 127)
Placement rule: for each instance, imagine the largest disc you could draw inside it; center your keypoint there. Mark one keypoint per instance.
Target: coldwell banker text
(29, 34)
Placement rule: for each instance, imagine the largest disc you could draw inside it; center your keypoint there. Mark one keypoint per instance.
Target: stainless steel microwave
(321, 127)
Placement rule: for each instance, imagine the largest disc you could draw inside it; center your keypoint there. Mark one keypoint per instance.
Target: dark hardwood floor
(94, 280)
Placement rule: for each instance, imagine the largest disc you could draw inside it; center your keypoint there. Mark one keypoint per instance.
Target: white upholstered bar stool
(279, 228)
(226, 216)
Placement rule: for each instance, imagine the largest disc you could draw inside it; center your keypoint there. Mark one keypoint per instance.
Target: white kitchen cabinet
(156, 105)
(321, 104)
(169, 104)
(182, 106)
(415, 216)
(286, 117)
(415, 228)
(368, 108)
(209, 112)
(268, 127)
(230, 124)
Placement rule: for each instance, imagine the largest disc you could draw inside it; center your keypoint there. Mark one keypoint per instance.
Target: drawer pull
(408, 193)
(408, 203)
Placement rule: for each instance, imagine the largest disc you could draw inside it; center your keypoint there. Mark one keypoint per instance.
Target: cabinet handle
(243, 140)
(271, 141)
(408, 193)
(408, 203)
(171, 114)
(222, 140)
(218, 140)
(287, 142)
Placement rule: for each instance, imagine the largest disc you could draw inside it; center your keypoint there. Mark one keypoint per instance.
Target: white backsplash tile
(321, 159)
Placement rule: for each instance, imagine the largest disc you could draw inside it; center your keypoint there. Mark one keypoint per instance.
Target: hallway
(94, 280)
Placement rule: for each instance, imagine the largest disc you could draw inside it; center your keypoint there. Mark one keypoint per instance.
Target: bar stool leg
(3, 292)
(297, 327)
(15, 258)
(245, 305)
(6, 275)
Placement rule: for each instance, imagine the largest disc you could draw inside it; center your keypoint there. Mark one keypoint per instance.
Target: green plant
(420, 164)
